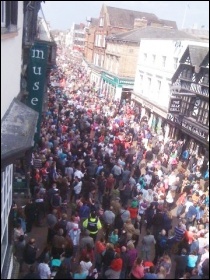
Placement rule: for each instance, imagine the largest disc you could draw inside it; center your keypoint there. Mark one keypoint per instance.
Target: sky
(187, 14)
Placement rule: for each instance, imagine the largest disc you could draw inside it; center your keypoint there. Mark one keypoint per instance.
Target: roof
(168, 23)
(197, 54)
(17, 130)
(79, 26)
(151, 32)
(200, 33)
(94, 22)
(125, 18)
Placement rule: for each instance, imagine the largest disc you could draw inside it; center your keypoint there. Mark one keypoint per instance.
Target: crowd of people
(106, 187)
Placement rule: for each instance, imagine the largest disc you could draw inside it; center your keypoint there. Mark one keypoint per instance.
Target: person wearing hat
(93, 224)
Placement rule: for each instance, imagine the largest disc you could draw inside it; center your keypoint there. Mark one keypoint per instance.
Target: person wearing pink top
(137, 271)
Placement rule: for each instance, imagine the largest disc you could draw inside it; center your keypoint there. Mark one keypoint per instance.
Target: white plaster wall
(153, 69)
(11, 59)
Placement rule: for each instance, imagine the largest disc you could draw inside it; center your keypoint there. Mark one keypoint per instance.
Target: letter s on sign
(34, 101)
(36, 86)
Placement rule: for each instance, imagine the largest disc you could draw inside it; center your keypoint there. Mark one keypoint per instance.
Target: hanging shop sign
(175, 105)
(38, 57)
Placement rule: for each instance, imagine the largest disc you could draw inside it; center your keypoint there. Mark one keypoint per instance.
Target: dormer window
(101, 24)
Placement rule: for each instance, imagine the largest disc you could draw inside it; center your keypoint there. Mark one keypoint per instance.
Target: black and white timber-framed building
(190, 84)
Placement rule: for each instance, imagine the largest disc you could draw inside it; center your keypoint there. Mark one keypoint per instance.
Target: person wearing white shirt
(188, 204)
(77, 185)
(78, 174)
(44, 269)
(86, 265)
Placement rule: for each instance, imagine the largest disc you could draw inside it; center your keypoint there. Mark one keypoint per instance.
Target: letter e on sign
(34, 101)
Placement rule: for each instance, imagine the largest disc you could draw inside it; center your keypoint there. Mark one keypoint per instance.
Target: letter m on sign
(37, 54)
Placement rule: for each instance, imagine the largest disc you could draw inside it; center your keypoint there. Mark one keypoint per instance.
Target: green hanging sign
(38, 58)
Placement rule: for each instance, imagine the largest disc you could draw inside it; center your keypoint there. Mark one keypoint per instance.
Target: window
(175, 62)
(104, 41)
(3, 13)
(9, 14)
(101, 24)
(145, 57)
(153, 58)
(158, 85)
(185, 105)
(149, 83)
(163, 61)
(203, 113)
(141, 79)
(130, 50)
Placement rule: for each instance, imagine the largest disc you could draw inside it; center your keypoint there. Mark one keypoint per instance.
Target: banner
(38, 58)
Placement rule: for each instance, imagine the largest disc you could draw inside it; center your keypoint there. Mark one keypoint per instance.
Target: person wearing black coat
(107, 258)
(118, 223)
(30, 214)
(30, 252)
(181, 264)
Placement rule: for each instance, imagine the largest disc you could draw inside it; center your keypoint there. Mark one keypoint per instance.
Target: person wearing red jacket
(116, 263)
(133, 213)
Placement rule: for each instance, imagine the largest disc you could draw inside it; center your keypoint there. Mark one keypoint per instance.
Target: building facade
(159, 55)
(90, 38)
(112, 21)
(190, 84)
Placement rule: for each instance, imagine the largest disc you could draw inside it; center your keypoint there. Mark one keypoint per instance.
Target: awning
(18, 127)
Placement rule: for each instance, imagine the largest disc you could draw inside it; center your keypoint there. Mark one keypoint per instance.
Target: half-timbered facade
(190, 83)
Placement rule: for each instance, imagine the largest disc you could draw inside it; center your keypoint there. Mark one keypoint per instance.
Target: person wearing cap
(93, 224)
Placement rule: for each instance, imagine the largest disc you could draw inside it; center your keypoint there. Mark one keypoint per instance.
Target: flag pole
(184, 17)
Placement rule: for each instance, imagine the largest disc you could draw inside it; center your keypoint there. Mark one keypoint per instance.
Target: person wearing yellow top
(93, 224)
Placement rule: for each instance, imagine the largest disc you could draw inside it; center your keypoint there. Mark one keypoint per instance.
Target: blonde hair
(130, 245)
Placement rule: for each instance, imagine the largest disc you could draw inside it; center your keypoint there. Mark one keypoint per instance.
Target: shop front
(116, 88)
(155, 115)
(95, 76)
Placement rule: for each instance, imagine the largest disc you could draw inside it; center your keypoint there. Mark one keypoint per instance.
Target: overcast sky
(62, 14)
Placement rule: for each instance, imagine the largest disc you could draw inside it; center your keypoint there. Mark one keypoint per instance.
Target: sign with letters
(38, 57)
(195, 130)
(175, 105)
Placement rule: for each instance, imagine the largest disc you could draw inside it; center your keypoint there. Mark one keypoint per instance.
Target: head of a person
(152, 269)
(139, 261)
(163, 232)
(184, 251)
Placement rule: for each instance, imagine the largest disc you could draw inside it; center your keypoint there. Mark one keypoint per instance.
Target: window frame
(10, 11)
(3, 13)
